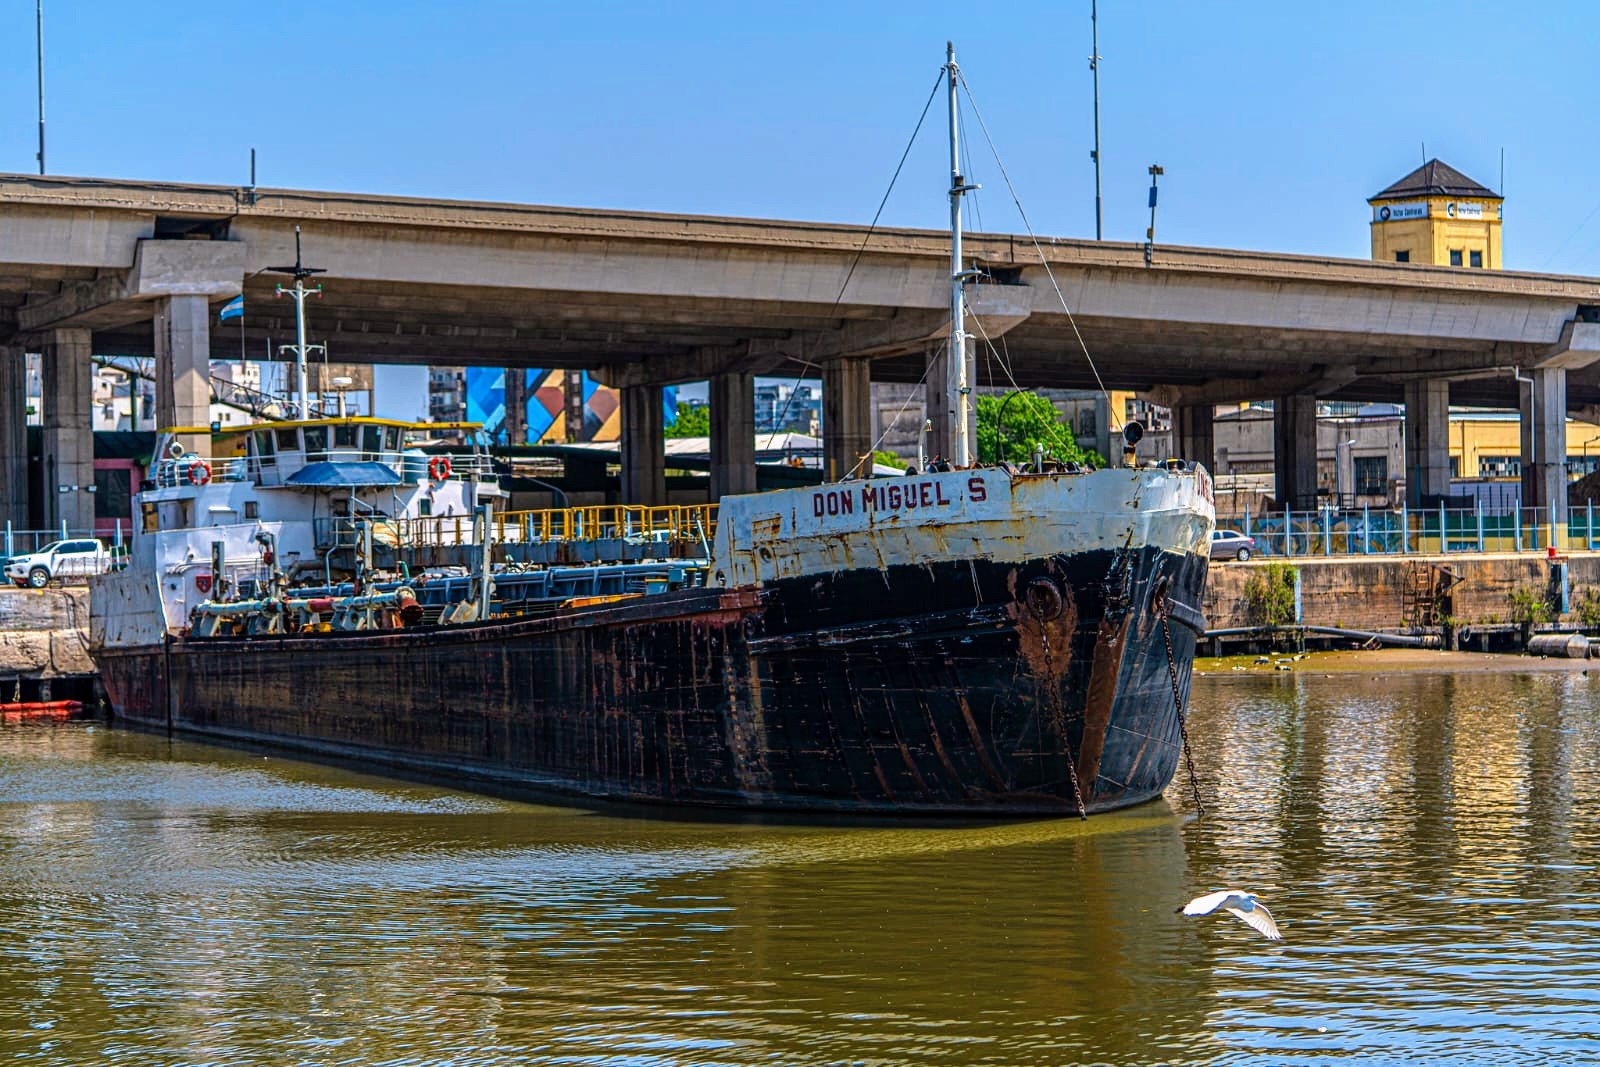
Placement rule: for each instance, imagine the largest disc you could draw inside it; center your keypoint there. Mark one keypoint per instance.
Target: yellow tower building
(1439, 216)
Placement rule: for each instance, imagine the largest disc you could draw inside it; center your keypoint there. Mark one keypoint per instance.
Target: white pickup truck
(77, 558)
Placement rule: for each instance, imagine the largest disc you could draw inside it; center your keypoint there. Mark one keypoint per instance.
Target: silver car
(1231, 544)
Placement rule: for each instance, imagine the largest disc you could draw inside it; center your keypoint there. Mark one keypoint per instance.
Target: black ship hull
(969, 687)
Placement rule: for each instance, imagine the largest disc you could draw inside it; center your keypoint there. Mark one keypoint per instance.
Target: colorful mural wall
(545, 410)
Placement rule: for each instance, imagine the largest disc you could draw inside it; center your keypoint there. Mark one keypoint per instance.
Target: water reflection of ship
(1038, 942)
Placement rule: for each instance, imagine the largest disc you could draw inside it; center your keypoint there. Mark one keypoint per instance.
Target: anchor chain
(1060, 720)
(1177, 700)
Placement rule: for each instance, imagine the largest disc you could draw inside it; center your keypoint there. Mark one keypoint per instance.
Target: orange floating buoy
(40, 711)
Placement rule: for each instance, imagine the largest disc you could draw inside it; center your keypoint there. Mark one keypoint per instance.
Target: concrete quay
(1469, 594)
(44, 637)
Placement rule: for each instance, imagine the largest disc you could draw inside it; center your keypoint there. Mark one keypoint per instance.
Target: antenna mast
(38, 14)
(1094, 66)
(957, 387)
(299, 293)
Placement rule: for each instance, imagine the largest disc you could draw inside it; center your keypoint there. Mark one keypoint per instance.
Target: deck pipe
(403, 600)
(1402, 640)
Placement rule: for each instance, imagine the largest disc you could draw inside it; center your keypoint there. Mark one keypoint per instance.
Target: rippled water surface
(1428, 844)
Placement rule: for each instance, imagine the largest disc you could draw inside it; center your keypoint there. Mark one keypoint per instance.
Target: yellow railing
(677, 522)
(690, 523)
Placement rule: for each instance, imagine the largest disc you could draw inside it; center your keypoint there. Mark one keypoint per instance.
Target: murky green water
(1428, 844)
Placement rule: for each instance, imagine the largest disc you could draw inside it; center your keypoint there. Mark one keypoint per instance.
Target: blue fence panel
(1430, 531)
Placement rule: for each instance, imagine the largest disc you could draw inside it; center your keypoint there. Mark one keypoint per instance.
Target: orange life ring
(200, 473)
(439, 468)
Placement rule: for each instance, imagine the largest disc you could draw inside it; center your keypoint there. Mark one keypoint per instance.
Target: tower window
(1475, 259)
(1455, 257)
(1402, 257)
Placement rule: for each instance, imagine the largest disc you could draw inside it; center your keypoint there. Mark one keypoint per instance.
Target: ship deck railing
(273, 470)
(673, 524)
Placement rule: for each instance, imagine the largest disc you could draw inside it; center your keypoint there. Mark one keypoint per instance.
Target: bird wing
(1207, 904)
(1260, 918)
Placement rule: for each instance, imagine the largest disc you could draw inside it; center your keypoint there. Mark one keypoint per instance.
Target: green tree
(888, 459)
(691, 422)
(1029, 419)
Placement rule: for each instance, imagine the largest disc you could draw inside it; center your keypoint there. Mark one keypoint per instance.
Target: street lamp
(566, 505)
(1586, 444)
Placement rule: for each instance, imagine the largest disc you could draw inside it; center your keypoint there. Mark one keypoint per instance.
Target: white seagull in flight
(1240, 905)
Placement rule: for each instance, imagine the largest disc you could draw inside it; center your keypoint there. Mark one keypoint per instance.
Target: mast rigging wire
(1115, 422)
(849, 274)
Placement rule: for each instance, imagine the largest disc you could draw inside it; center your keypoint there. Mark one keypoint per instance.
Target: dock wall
(1396, 593)
(44, 634)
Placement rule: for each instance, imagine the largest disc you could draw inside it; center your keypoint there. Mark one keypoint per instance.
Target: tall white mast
(300, 344)
(299, 293)
(957, 388)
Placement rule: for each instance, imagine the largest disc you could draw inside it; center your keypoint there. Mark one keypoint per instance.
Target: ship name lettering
(903, 496)
(976, 490)
(833, 502)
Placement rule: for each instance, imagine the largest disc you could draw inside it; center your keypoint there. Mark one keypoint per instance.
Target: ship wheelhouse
(307, 484)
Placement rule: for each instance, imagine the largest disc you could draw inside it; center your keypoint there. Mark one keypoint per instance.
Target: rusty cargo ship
(971, 640)
(987, 642)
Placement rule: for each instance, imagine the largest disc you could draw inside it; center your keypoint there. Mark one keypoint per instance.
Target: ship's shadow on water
(1421, 840)
(528, 793)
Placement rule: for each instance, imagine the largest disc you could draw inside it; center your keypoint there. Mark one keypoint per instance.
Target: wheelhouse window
(288, 440)
(372, 440)
(344, 436)
(316, 443)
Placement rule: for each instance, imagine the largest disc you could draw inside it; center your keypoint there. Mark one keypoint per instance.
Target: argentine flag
(233, 309)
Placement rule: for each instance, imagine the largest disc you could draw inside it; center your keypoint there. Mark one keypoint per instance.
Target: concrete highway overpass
(120, 267)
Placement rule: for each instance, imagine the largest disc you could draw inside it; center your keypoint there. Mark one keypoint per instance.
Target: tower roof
(1434, 178)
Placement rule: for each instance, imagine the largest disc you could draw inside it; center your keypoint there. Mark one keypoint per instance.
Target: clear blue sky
(1274, 120)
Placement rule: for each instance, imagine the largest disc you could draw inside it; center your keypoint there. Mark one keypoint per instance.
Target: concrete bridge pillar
(68, 370)
(1544, 443)
(183, 367)
(1427, 441)
(733, 435)
(846, 417)
(1194, 426)
(1294, 449)
(13, 437)
(644, 466)
(936, 402)
(516, 400)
